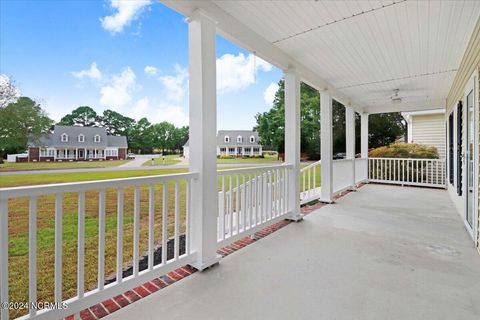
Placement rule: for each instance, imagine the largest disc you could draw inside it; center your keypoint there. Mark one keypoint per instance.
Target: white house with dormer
(237, 143)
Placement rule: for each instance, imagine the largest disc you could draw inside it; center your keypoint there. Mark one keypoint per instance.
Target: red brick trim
(109, 306)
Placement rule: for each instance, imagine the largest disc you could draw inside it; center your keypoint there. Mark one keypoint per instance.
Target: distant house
(427, 127)
(74, 143)
(236, 143)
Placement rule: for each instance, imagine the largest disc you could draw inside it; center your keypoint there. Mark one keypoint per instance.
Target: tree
(164, 136)
(384, 128)
(8, 92)
(181, 137)
(82, 116)
(20, 121)
(115, 123)
(141, 136)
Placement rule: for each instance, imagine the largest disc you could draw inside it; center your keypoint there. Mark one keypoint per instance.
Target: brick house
(75, 143)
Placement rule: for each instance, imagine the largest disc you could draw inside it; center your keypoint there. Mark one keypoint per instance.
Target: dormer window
(252, 139)
(81, 138)
(64, 137)
(226, 139)
(239, 139)
(96, 138)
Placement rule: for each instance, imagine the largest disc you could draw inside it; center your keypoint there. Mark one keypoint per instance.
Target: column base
(352, 188)
(295, 217)
(203, 265)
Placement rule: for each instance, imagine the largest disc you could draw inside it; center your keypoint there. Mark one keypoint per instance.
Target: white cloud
(269, 94)
(119, 91)
(176, 85)
(150, 70)
(8, 92)
(93, 73)
(160, 112)
(126, 11)
(235, 72)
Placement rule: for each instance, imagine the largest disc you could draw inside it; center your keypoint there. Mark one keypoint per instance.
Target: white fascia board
(423, 113)
(238, 33)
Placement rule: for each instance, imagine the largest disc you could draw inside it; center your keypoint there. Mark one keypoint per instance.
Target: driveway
(137, 162)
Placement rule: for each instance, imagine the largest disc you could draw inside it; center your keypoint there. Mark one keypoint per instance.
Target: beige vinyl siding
(430, 130)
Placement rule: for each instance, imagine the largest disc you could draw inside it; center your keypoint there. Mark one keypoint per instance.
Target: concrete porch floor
(383, 252)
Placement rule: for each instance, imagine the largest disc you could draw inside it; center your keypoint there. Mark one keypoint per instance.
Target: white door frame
(471, 87)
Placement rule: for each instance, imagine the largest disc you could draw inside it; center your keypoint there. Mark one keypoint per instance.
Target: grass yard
(17, 166)
(267, 159)
(169, 159)
(18, 229)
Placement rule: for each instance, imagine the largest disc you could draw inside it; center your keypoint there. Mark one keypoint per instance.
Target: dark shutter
(451, 148)
(459, 147)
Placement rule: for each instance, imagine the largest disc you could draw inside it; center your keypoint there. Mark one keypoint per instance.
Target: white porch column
(326, 147)
(203, 131)
(350, 141)
(364, 135)
(76, 153)
(292, 141)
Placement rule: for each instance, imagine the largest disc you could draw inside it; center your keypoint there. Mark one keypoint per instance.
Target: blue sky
(130, 56)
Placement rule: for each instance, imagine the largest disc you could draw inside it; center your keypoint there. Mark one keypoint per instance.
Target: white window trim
(252, 139)
(64, 137)
(226, 139)
(95, 138)
(239, 139)
(82, 136)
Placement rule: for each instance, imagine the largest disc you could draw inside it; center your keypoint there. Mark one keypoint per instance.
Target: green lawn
(16, 166)
(169, 159)
(267, 159)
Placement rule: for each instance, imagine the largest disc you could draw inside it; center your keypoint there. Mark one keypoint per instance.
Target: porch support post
(292, 142)
(326, 147)
(203, 131)
(364, 142)
(350, 142)
(364, 135)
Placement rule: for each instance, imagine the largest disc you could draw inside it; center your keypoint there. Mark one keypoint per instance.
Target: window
(96, 138)
(239, 139)
(256, 150)
(111, 153)
(64, 137)
(223, 150)
(247, 150)
(252, 139)
(231, 150)
(81, 138)
(226, 139)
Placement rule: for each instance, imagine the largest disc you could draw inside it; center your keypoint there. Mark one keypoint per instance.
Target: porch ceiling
(360, 50)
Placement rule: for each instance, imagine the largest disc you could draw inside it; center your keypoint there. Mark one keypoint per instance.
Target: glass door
(470, 207)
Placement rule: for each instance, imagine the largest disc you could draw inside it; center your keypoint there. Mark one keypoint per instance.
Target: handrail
(249, 169)
(316, 163)
(15, 192)
(410, 159)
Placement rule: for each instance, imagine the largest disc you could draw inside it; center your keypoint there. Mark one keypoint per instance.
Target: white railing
(310, 182)
(166, 196)
(250, 199)
(403, 171)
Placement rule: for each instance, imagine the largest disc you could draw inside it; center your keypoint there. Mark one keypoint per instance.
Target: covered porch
(383, 252)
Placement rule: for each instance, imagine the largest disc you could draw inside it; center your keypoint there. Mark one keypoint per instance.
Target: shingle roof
(54, 139)
(233, 134)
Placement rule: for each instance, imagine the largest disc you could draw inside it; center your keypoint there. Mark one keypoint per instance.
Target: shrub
(225, 156)
(405, 150)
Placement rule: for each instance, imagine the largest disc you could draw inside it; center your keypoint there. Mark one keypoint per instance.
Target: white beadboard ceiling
(362, 50)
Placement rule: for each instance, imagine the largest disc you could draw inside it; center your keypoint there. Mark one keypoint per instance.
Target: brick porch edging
(109, 306)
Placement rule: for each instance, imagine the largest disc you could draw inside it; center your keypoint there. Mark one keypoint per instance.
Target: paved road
(137, 162)
(172, 166)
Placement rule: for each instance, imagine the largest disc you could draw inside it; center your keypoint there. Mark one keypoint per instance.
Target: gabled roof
(54, 139)
(233, 134)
